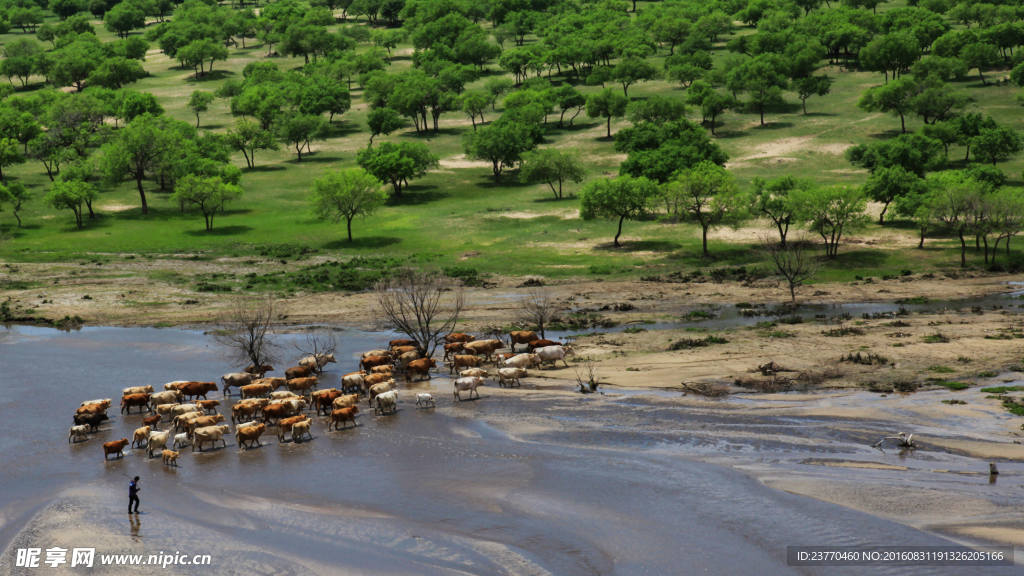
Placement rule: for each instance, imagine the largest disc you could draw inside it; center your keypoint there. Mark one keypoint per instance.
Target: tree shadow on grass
(819, 114)
(886, 134)
(639, 246)
(577, 126)
(220, 231)
(314, 157)
(264, 168)
(418, 195)
(212, 76)
(361, 242)
(552, 200)
(509, 181)
(773, 126)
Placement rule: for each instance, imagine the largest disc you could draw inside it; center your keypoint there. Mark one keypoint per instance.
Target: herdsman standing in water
(133, 495)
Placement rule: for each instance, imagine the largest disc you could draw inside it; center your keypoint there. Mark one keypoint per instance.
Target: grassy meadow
(458, 216)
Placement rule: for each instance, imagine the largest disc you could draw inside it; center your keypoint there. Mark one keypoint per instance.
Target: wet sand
(538, 480)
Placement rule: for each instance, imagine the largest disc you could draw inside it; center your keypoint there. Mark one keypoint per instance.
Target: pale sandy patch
(460, 161)
(856, 464)
(850, 171)
(1010, 535)
(563, 214)
(115, 207)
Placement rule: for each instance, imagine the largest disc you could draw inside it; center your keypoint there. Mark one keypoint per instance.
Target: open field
(457, 216)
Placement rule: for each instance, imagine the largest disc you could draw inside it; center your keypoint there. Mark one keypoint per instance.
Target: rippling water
(420, 492)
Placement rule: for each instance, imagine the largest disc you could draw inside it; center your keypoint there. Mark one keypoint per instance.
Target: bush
(211, 287)
(843, 331)
(688, 343)
(915, 300)
(937, 338)
(953, 385)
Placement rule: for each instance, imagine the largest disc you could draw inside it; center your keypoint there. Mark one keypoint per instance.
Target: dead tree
(793, 261)
(538, 308)
(423, 305)
(319, 342)
(246, 335)
(586, 375)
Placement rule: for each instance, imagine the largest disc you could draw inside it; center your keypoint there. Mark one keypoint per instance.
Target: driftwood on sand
(902, 440)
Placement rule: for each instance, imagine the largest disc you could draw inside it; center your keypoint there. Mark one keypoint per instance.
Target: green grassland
(457, 215)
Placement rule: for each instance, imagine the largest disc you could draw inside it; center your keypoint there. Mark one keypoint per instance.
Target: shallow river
(420, 492)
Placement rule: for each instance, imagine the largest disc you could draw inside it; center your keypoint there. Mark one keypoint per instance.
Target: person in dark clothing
(133, 495)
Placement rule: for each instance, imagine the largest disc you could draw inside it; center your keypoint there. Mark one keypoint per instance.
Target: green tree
(981, 56)
(938, 101)
(10, 154)
(502, 143)
(954, 203)
(347, 193)
(209, 195)
(708, 195)
(299, 130)
(551, 166)
(914, 152)
(623, 198)
(496, 86)
(397, 163)
(714, 105)
(200, 102)
(773, 200)
(17, 196)
(20, 59)
(474, 104)
(64, 8)
(632, 70)
(607, 104)
(831, 212)
(657, 152)
(383, 121)
(895, 98)
(135, 104)
(196, 53)
(138, 150)
(72, 65)
(762, 79)
(656, 109)
(893, 52)
(998, 143)
(811, 86)
(114, 73)
(123, 18)
(889, 184)
(70, 195)
(968, 126)
(248, 137)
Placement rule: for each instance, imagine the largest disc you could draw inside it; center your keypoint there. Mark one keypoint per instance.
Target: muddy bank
(538, 480)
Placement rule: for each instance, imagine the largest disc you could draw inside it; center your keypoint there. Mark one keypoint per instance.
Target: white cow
(236, 379)
(522, 361)
(554, 353)
(181, 440)
(246, 425)
(423, 399)
(91, 402)
(319, 360)
(470, 384)
(295, 405)
(157, 441)
(174, 385)
(283, 395)
(148, 389)
(184, 409)
(77, 432)
(352, 382)
(388, 401)
(511, 376)
(165, 397)
(211, 434)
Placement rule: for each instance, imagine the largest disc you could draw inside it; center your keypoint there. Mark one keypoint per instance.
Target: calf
(300, 429)
(196, 389)
(423, 399)
(170, 457)
(476, 372)
(152, 421)
(181, 440)
(255, 390)
(459, 337)
(451, 350)
(115, 447)
(77, 432)
(342, 415)
(345, 401)
(210, 406)
(285, 425)
(511, 376)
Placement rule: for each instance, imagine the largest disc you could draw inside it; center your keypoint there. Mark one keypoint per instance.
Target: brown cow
(452, 349)
(385, 369)
(248, 435)
(285, 425)
(375, 379)
(500, 357)
(208, 405)
(274, 412)
(203, 422)
(419, 367)
(274, 383)
(541, 344)
(153, 421)
(464, 360)
(195, 389)
(116, 447)
(345, 401)
(342, 415)
(485, 348)
(521, 337)
(261, 371)
(459, 337)
(298, 372)
(255, 391)
(240, 411)
(91, 409)
(301, 385)
(324, 399)
(140, 400)
(394, 343)
(371, 361)
(399, 350)
(378, 389)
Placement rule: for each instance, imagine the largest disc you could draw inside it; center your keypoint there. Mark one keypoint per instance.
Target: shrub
(916, 300)
(954, 385)
(843, 331)
(937, 338)
(688, 343)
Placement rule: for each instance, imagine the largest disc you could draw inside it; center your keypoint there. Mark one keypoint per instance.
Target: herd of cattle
(193, 420)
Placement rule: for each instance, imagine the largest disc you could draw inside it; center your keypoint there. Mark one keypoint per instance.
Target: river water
(420, 492)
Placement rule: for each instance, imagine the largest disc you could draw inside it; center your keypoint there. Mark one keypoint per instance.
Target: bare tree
(319, 342)
(586, 374)
(793, 261)
(247, 332)
(539, 308)
(423, 305)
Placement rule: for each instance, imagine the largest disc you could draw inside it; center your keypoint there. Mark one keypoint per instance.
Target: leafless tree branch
(319, 341)
(794, 262)
(247, 332)
(423, 305)
(539, 308)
